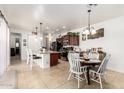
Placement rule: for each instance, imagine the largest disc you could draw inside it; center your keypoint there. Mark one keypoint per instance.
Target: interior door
(17, 46)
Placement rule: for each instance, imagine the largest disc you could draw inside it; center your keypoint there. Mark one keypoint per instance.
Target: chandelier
(89, 29)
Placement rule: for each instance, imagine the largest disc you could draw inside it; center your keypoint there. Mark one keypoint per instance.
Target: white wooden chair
(28, 55)
(29, 52)
(76, 68)
(98, 73)
(32, 58)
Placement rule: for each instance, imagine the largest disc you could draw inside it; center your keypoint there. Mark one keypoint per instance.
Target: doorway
(15, 47)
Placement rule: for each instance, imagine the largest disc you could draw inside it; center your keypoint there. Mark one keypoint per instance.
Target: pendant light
(35, 32)
(89, 29)
(41, 33)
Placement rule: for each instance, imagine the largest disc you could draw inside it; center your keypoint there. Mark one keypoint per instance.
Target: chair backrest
(71, 55)
(30, 54)
(27, 51)
(70, 58)
(94, 55)
(104, 63)
(74, 62)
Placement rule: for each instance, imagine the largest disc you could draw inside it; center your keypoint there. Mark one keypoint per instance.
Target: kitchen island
(49, 58)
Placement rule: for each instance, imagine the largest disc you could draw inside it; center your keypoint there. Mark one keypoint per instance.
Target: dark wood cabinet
(70, 40)
(54, 59)
(65, 41)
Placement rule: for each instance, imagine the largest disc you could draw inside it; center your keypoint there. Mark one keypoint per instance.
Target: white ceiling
(54, 16)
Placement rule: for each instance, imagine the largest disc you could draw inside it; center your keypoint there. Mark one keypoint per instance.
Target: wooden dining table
(89, 63)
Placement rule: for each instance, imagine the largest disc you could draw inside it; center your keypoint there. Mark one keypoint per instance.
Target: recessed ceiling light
(63, 27)
(57, 29)
(47, 27)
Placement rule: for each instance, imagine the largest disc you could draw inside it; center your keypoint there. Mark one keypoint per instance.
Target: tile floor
(56, 77)
(8, 80)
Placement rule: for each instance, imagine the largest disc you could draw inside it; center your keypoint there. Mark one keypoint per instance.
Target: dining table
(89, 63)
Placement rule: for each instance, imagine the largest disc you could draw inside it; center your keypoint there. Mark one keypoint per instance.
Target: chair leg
(93, 75)
(69, 76)
(78, 81)
(104, 77)
(31, 65)
(69, 71)
(40, 64)
(27, 60)
(85, 77)
(100, 81)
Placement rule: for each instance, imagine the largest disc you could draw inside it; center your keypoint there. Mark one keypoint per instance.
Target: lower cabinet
(54, 59)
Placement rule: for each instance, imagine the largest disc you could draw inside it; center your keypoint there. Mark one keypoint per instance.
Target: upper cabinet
(71, 38)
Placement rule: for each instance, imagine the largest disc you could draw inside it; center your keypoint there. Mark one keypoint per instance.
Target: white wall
(4, 46)
(8, 46)
(34, 43)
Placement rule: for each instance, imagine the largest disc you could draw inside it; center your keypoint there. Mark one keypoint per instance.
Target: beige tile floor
(56, 77)
(8, 80)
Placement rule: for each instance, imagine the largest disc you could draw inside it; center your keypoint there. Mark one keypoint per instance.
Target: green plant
(70, 33)
(78, 33)
(73, 33)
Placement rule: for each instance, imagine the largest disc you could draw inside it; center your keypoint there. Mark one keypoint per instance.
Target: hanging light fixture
(41, 33)
(35, 32)
(89, 29)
